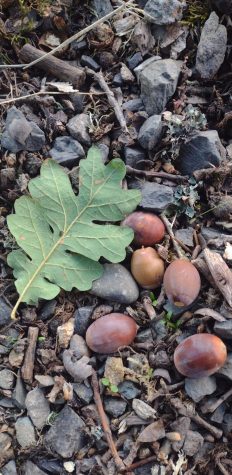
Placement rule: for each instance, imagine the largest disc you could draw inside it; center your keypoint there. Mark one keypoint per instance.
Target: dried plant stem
(148, 174)
(219, 401)
(176, 246)
(28, 365)
(110, 96)
(221, 274)
(97, 398)
(41, 93)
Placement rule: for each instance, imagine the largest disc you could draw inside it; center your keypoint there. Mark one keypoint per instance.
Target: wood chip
(221, 273)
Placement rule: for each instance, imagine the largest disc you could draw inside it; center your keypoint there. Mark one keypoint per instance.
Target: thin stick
(97, 398)
(28, 365)
(152, 458)
(201, 422)
(217, 403)
(76, 36)
(147, 174)
(221, 274)
(110, 96)
(147, 304)
(176, 246)
(40, 93)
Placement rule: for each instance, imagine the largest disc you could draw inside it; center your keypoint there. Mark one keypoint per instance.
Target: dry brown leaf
(153, 432)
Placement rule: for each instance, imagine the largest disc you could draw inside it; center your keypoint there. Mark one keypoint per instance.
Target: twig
(97, 398)
(110, 95)
(212, 407)
(28, 365)
(176, 246)
(212, 429)
(72, 38)
(148, 307)
(153, 458)
(221, 274)
(40, 93)
(148, 174)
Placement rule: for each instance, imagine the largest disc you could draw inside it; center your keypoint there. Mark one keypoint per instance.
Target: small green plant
(41, 339)
(168, 322)
(186, 198)
(196, 13)
(112, 387)
(52, 417)
(153, 299)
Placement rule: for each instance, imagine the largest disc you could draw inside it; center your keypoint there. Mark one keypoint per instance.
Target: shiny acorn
(110, 332)
(147, 268)
(148, 228)
(182, 282)
(200, 355)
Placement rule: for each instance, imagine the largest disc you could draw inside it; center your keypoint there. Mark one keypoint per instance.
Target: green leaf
(114, 388)
(105, 381)
(61, 235)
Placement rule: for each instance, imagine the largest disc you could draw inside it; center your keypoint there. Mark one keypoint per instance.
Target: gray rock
(89, 62)
(211, 233)
(222, 206)
(218, 414)
(227, 424)
(224, 329)
(78, 346)
(19, 393)
(84, 392)
(37, 407)
(116, 284)
(67, 151)
(134, 155)
(133, 105)
(25, 432)
(134, 60)
(185, 236)
(6, 379)
(82, 317)
(32, 164)
(78, 128)
(47, 310)
(164, 12)
(211, 48)
(193, 442)
(9, 468)
(5, 312)
(181, 425)
(151, 132)
(66, 436)
(102, 7)
(117, 80)
(104, 150)
(114, 406)
(155, 197)
(31, 469)
(158, 83)
(44, 380)
(51, 466)
(202, 150)
(200, 387)
(226, 369)
(20, 134)
(129, 390)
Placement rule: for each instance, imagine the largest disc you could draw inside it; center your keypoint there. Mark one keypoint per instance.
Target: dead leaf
(61, 86)
(153, 432)
(65, 333)
(114, 370)
(208, 312)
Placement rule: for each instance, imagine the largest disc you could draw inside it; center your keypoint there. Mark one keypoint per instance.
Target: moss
(196, 13)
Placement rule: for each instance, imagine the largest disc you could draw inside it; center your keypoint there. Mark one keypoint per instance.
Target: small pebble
(37, 407)
(6, 379)
(114, 406)
(90, 63)
(25, 432)
(122, 288)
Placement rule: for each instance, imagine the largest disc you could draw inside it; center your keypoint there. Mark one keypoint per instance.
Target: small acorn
(200, 355)
(182, 282)
(110, 332)
(147, 268)
(148, 228)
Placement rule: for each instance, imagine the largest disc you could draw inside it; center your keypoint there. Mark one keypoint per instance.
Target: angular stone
(82, 318)
(37, 407)
(19, 393)
(67, 151)
(202, 150)
(114, 406)
(193, 442)
(133, 157)
(185, 236)
(116, 284)
(66, 435)
(133, 105)
(9, 468)
(6, 379)
(5, 312)
(134, 60)
(158, 83)
(83, 392)
(155, 197)
(129, 390)
(224, 329)
(181, 425)
(31, 469)
(89, 62)
(211, 48)
(102, 7)
(78, 346)
(164, 12)
(151, 132)
(21, 134)
(78, 128)
(198, 388)
(25, 432)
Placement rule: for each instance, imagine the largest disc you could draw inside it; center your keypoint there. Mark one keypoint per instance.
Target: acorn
(108, 333)
(182, 282)
(148, 228)
(147, 268)
(200, 355)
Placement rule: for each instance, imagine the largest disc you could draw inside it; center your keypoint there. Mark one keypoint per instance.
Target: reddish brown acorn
(147, 268)
(182, 282)
(200, 355)
(148, 228)
(110, 332)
